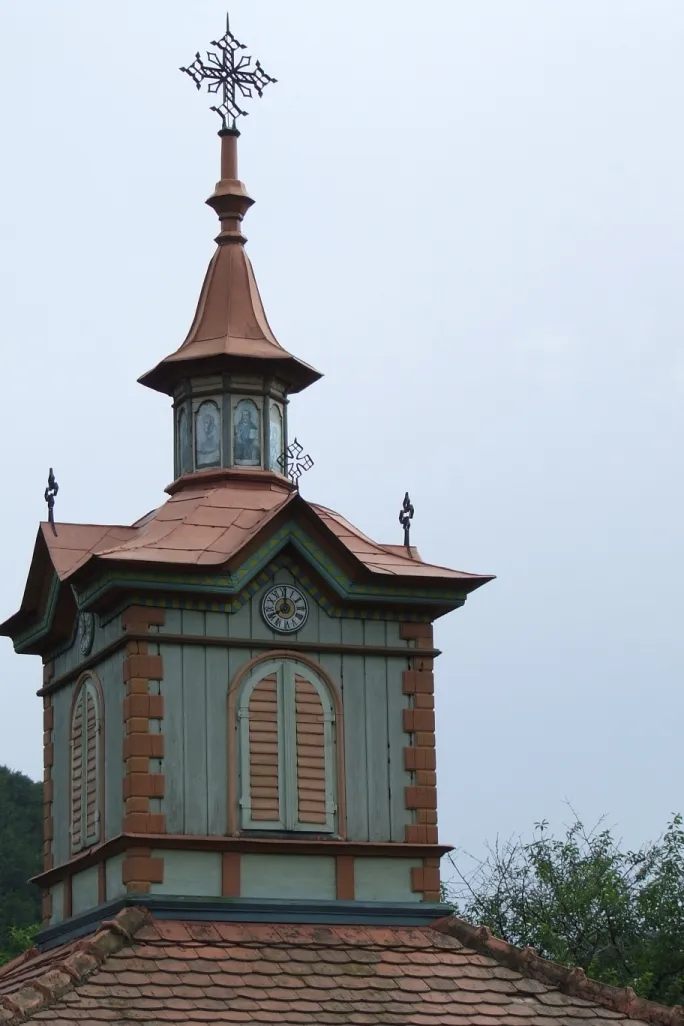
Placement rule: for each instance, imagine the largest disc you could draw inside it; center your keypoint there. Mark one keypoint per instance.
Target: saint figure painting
(184, 442)
(246, 434)
(208, 436)
(276, 438)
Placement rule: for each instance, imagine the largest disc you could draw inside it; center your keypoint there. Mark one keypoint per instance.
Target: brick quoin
(415, 631)
(141, 618)
(140, 870)
(419, 720)
(425, 878)
(418, 683)
(139, 746)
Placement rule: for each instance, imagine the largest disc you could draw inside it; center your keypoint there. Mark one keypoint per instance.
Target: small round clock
(284, 609)
(86, 632)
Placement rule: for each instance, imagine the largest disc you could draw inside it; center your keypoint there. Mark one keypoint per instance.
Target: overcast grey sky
(469, 217)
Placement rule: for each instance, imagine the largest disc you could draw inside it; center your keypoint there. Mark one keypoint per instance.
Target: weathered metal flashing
(247, 910)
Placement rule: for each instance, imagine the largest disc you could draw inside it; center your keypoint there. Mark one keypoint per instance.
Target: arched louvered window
(86, 760)
(287, 749)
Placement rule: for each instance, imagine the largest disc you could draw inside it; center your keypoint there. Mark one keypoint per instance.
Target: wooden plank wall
(61, 819)
(69, 657)
(199, 752)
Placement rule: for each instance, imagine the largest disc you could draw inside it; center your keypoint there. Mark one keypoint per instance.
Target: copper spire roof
(230, 330)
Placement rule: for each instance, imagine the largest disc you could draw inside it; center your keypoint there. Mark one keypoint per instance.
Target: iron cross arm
(230, 73)
(294, 462)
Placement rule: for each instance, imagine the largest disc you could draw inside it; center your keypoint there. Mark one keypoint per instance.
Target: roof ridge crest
(573, 981)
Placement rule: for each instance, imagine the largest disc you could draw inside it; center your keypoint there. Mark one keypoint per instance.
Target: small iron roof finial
(405, 517)
(229, 73)
(293, 463)
(50, 494)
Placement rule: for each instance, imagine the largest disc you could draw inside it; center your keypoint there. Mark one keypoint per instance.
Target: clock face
(284, 608)
(86, 632)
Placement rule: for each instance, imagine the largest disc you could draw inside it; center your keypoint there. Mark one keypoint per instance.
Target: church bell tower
(238, 688)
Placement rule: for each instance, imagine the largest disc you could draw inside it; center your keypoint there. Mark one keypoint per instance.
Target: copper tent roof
(207, 526)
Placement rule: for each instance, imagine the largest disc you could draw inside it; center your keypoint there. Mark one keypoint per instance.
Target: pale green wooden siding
(385, 879)
(115, 887)
(61, 733)
(84, 890)
(70, 658)
(288, 876)
(190, 874)
(57, 893)
(195, 690)
(195, 685)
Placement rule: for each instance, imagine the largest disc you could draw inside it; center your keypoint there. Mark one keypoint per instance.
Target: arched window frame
(286, 668)
(80, 836)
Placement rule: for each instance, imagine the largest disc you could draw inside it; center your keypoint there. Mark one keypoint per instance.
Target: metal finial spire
(50, 493)
(230, 73)
(294, 463)
(405, 517)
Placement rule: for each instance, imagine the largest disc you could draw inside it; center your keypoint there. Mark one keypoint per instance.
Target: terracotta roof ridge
(85, 957)
(18, 960)
(574, 982)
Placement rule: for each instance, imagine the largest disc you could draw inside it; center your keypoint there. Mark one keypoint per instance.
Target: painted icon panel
(276, 438)
(247, 434)
(184, 442)
(207, 436)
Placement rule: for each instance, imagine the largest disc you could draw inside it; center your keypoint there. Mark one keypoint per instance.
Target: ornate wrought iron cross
(405, 517)
(293, 463)
(50, 494)
(230, 73)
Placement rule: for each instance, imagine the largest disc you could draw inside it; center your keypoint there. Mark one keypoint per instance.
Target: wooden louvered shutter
(77, 773)
(311, 761)
(264, 786)
(287, 750)
(92, 813)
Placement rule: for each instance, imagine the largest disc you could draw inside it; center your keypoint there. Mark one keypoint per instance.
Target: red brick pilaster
(344, 877)
(419, 723)
(425, 879)
(142, 782)
(230, 874)
(140, 870)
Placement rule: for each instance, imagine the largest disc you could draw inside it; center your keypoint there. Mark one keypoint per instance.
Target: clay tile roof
(164, 971)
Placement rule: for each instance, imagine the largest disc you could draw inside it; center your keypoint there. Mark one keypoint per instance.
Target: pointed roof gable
(214, 523)
(230, 330)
